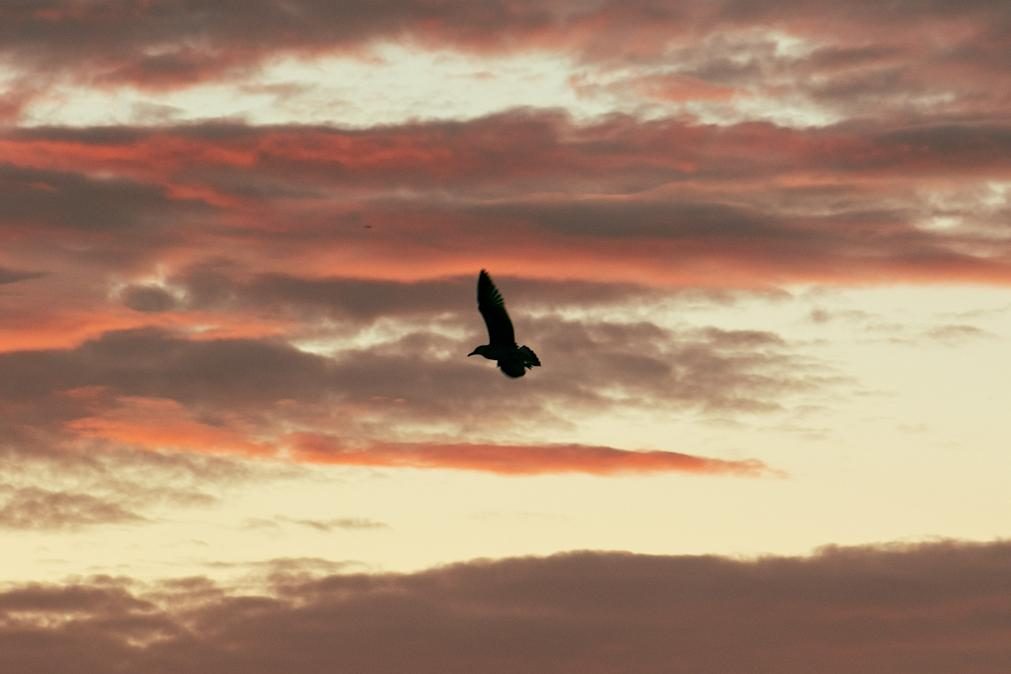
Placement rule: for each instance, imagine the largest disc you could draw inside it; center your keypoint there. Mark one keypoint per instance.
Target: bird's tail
(530, 359)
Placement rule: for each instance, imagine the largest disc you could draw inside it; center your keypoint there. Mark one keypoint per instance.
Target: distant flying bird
(512, 360)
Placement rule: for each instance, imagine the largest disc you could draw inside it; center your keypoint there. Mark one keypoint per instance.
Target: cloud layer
(664, 202)
(33, 508)
(891, 57)
(191, 302)
(163, 391)
(926, 609)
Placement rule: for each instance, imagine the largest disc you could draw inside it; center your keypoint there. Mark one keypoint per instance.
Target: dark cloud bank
(915, 609)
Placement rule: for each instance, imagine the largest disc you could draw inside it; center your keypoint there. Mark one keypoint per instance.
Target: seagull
(512, 360)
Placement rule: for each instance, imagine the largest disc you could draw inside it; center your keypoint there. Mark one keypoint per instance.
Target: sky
(762, 250)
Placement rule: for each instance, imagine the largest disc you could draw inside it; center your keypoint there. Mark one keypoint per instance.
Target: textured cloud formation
(165, 391)
(844, 58)
(664, 202)
(191, 305)
(32, 508)
(928, 609)
(217, 283)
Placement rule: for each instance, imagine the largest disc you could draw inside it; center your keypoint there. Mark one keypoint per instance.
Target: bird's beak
(472, 353)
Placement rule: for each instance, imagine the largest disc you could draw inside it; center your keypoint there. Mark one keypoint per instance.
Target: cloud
(366, 300)
(57, 216)
(161, 424)
(340, 523)
(157, 44)
(148, 298)
(663, 203)
(956, 333)
(500, 153)
(168, 391)
(798, 61)
(153, 363)
(32, 508)
(58, 482)
(72, 203)
(517, 459)
(275, 570)
(898, 608)
(13, 275)
(99, 596)
(324, 525)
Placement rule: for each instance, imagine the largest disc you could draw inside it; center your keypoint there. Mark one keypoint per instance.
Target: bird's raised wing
(492, 308)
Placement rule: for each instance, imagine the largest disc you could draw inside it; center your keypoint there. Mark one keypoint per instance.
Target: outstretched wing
(492, 308)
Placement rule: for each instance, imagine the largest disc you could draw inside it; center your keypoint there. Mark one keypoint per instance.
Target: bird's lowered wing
(492, 308)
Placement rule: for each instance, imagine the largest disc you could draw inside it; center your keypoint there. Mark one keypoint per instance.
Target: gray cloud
(155, 363)
(57, 483)
(14, 275)
(77, 217)
(321, 525)
(869, 58)
(881, 610)
(707, 367)
(157, 45)
(33, 508)
(72, 202)
(164, 391)
(214, 286)
(148, 298)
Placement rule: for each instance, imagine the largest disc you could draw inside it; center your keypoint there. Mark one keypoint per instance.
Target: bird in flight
(512, 360)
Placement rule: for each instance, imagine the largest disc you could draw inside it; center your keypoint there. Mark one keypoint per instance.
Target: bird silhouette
(512, 360)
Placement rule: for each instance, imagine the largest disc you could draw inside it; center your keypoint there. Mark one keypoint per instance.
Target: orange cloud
(514, 459)
(669, 87)
(626, 200)
(165, 425)
(162, 424)
(59, 327)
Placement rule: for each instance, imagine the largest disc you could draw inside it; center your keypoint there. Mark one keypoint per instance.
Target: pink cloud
(163, 424)
(515, 459)
(631, 200)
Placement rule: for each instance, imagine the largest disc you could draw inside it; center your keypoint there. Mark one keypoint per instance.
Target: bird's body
(513, 360)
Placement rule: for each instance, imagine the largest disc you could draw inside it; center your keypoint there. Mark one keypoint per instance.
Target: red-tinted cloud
(708, 368)
(664, 203)
(176, 270)
(161, 391)
(928, 609)
(163, 424)
(515, 459)
(502, 154)
(909, 61)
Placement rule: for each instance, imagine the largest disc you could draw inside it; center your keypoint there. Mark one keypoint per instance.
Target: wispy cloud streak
(518, 459)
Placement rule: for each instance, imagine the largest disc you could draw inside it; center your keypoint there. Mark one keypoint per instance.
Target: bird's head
(479, 351)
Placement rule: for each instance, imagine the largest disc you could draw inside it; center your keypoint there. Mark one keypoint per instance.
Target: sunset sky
(762, 249)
